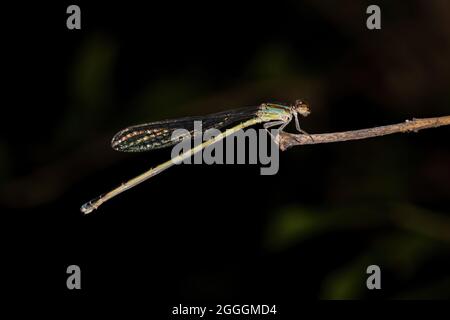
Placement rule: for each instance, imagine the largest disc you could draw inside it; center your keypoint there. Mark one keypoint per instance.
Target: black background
(202, 234)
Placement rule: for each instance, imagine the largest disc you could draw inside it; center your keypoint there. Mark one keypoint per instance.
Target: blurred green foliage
(413, 240)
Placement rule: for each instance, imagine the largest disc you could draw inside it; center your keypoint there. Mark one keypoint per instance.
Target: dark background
(217, 234)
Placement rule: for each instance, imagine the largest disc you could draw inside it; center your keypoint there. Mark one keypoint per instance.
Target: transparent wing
(156, 135)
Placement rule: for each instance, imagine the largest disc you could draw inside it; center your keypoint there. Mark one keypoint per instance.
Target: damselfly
(158, 134)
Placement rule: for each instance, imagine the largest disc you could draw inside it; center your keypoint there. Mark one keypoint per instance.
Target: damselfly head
(301, 108)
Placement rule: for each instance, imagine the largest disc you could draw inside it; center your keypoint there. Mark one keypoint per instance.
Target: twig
(287, 140)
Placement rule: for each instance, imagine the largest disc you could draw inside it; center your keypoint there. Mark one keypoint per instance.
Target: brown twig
(288, 140)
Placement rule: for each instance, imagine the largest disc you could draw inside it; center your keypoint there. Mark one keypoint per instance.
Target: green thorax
(272, 112)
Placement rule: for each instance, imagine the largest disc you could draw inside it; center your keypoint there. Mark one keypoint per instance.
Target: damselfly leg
(268, 125)
(297, 126)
